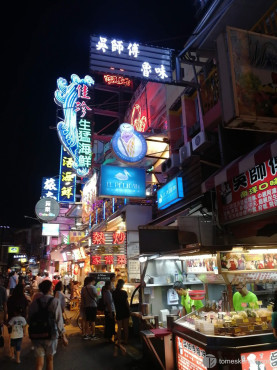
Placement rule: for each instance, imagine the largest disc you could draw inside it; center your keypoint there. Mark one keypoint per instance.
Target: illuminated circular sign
(128, 144)
(47, 209)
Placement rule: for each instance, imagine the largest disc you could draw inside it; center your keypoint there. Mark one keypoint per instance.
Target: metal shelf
(186, 283)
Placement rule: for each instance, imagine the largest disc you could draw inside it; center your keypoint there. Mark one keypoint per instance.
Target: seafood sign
(77, 141)
(128, 144)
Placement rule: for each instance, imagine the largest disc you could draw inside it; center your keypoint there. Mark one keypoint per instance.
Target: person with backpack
(46, 325)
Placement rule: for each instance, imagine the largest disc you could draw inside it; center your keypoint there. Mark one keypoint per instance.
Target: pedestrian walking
(59, 294)
(13, 280)
(122, 309)
(17, 324)
(89, 307)
(46, 310)
(109, 311)
(17, 300)
(66, 281)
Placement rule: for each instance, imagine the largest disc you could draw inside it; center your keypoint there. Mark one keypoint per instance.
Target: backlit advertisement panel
(249, 193)
(122, 182)
(170, 193)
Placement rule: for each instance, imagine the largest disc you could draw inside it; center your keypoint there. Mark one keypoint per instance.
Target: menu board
(231, 261)
(259, 360)
(189, 356)
(252, 277)
(201, 264)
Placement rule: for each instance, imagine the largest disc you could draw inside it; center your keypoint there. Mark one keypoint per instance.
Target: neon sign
(49, 187)
(74, 133)
(139, 122)
(67, 178)
(130, 59)
(118, 80)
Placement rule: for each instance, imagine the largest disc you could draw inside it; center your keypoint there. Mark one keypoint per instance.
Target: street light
(32, 218)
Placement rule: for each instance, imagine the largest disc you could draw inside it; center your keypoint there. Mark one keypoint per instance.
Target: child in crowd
(18, 330)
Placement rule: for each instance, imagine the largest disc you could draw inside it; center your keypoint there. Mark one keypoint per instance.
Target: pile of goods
(233, 323)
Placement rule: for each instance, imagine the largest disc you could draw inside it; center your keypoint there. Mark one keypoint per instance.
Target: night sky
(42, 41)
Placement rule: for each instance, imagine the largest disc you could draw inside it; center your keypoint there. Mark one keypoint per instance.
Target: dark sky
(44, 40)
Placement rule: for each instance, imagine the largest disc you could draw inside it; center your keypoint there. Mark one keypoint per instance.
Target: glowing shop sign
(50, 187)
(47, 209)
(67, 179)
(170, 193)
(118, 80)
(122, 182)
(249, 193)
(75, 131)
(137, 120)
(130, 59)
(13, 249)
(128, 144)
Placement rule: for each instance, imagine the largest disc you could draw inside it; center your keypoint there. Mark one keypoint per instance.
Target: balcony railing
(268, 23)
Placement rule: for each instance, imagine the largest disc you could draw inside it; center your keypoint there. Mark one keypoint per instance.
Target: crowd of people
(23, 301)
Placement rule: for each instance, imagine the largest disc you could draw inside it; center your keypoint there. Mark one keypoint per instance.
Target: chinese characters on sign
(67, 180)
(75, 131)
(189, 356)
(130, 59)
(118, 80)
(109, 248)
(49, 187)
(249, 193)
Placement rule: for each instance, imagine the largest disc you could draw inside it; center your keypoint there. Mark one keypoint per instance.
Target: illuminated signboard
(67, 178)
(89, 197)
(249, 193)
(50, 187)
(190, 356)
(259, 360)
(128, 144)
(50, 229)
(47, 209)
(170, 193)
(75, 131)
(118, 80)
(13, 249)
(138, 120)
(130, 59)
(122, 182)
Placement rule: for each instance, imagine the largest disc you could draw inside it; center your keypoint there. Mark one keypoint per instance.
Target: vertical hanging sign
(75, 131)
(67, 179)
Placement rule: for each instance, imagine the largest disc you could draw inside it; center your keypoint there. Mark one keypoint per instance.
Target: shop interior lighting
(261, 251)
(168, 258)
(237, 249)
(183, 258)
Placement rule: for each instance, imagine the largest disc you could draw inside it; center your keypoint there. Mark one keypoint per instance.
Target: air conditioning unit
(200, 142)
(185, 152)
(171, 163)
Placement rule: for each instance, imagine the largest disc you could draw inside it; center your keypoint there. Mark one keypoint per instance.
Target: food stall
(219, 337)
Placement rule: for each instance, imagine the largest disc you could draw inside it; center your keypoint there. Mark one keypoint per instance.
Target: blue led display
(170, 193)
(122, 182)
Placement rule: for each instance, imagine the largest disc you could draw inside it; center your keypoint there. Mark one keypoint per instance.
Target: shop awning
(259, 155)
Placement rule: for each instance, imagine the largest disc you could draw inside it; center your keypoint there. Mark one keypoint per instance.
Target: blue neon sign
(50, 187)
(170, 193)
(122, 182)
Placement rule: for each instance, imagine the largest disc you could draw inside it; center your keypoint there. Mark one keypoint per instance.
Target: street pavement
(81, 354)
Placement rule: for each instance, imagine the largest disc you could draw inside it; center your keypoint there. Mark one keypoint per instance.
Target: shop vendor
(188, 304)
(243, 298)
